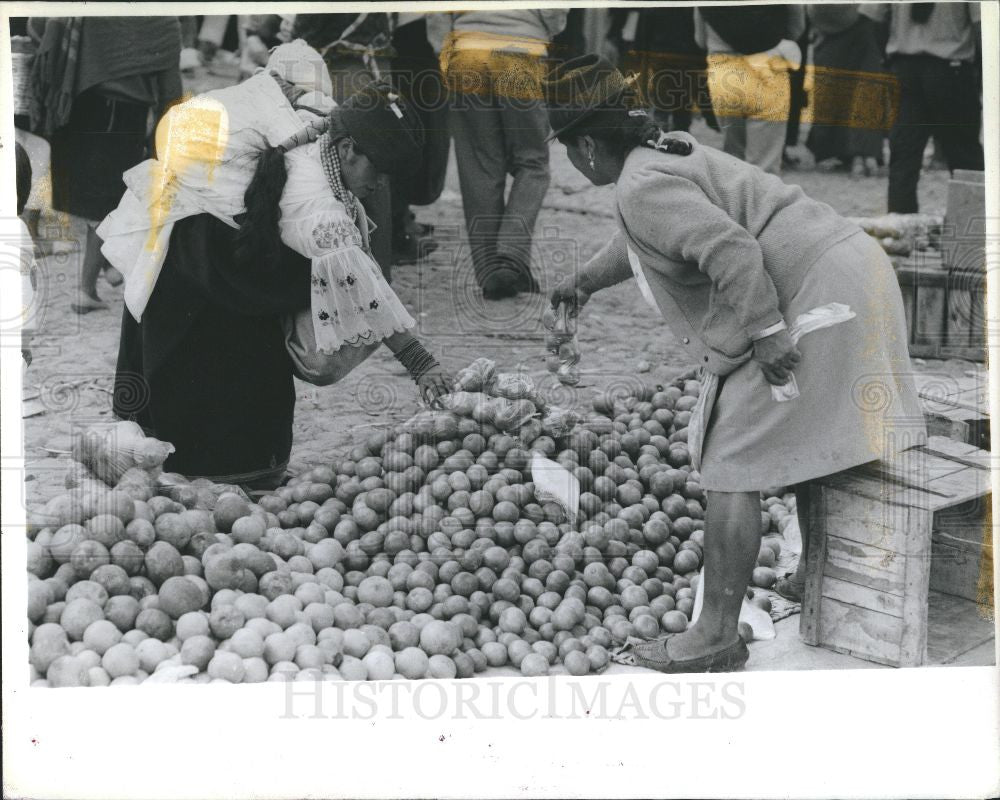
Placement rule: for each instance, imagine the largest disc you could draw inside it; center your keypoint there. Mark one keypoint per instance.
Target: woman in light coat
(730, 256)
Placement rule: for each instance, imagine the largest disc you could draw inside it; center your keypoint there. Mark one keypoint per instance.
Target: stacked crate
(872, 533)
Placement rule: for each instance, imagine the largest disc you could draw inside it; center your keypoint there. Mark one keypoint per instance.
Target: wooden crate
(870, 545)
(944, 307)
(956, 407)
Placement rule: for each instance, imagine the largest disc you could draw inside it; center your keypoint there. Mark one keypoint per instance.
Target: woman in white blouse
(251, 217)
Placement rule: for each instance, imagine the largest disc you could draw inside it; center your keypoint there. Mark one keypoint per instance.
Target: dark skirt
(206, 369)
(103, 138)
(852, 96)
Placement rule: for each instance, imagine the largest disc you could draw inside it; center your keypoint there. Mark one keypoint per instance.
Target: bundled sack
(479, 376)
(506, 415)
(513, 386)
(110, 452)
(559, 422)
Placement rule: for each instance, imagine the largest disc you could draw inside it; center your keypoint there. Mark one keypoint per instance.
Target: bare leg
(93, 262)
(732, 542)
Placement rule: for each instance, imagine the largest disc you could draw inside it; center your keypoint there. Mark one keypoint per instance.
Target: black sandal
(653, 655)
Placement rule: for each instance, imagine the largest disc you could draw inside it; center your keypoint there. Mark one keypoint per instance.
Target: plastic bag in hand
(561, 344)
(813, 320)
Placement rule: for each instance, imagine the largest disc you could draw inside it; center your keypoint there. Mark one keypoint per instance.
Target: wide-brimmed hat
(385, 128)
(582, 87)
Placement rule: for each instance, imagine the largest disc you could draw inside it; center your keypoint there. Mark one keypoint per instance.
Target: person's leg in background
(349, 74)
(952, 92)
(93, 263)
(482, 176)
(212, 34)
(730, 88)
(765, 144)
(734, 135)
(525, 125)
(669, 90)
(798, 99)
(189, 31)
(909, 134)
(418, 79)
(682, 109)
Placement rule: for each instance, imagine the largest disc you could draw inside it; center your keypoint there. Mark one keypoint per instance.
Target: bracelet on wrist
(416, 359)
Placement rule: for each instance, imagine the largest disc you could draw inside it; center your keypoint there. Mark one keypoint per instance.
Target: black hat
(582, 87)
(384, 127)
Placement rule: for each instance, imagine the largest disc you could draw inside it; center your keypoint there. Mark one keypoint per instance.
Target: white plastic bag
(555, 484)
(754, 616)
(814, 320)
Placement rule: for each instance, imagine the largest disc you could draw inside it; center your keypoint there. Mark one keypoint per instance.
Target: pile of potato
(425, 553)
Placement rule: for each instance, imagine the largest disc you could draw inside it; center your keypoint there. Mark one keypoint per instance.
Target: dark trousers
(672, 85)
(494, 137)
(938, 98)
(417, 76)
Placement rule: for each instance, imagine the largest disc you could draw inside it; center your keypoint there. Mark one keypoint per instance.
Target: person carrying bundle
(247, 260)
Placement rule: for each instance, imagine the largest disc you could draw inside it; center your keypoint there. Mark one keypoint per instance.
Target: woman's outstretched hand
(569, 292)
(435, 383)
(778, 357)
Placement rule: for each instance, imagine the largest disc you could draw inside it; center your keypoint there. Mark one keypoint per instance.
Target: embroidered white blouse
(207, 146)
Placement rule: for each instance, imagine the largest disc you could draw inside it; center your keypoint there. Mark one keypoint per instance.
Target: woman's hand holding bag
(571, 293)
(778, 356)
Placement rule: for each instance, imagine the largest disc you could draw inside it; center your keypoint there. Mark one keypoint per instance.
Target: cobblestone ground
(621, 339)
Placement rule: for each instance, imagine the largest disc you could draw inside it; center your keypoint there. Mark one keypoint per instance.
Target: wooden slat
(860, 631)
(931, 314)
(959, 452)
(865, 565)
(877, 489)
(812, 597)
(913, 642)
(957, 565)
(862, 596)
(949, 448)
(960, 487)
(862, 519)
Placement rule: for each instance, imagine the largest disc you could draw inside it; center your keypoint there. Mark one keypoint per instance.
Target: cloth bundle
(208, 147)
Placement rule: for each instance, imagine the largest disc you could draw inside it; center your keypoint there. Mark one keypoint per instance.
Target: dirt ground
(67, 386)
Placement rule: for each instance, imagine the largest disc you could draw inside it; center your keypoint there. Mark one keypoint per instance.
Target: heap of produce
(902, 234)
(426, 553)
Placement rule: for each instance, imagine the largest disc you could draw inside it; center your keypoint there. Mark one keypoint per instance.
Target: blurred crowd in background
(876, 85)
